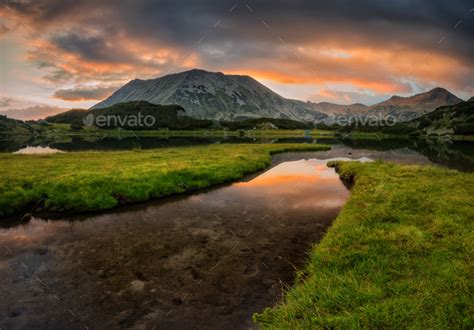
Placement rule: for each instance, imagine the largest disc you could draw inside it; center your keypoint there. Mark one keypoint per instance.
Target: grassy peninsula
(91, 181)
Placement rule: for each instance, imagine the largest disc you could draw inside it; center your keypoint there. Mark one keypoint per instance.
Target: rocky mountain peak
(213, 95)
(439, 93)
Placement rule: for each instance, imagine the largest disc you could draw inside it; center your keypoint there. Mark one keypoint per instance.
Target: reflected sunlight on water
(222, 254)
(36, 151)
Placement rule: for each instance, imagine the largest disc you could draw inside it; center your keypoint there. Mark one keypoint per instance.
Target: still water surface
(209, 259)
(454, 154)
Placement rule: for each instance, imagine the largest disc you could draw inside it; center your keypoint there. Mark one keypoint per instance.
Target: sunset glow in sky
(75, 53)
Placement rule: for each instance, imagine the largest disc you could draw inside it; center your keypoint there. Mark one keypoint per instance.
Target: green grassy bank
(87, 181)
(399, 255)
(65, 130)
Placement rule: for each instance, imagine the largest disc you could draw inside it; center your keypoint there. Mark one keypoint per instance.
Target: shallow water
(36, 151)
(210, 259)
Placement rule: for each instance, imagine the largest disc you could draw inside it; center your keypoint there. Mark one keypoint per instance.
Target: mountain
(407, 108)
(32, 113)
(401, 108)
(453, 119)
(213, 95)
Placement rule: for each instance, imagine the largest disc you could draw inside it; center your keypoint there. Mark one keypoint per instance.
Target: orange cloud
(145, 61)
(367, 68)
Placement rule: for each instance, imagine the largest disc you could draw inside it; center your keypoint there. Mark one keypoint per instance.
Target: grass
(91, 181)
(462, 137)
(399, 255)
(63, 129)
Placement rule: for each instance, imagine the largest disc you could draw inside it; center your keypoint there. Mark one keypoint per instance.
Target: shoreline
(385, 266)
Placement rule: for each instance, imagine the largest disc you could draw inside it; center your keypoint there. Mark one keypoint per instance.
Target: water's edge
(25, 216)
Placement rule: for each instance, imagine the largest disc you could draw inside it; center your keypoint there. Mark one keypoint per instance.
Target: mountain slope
(73, 116)
(457, 119)
(407, 108)
(209, 95)
(333, 109)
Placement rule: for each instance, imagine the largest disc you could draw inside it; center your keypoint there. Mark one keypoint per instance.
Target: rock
(137, 285)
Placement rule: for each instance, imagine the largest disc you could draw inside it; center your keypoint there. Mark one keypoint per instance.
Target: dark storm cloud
(92, 48)
(420, 23)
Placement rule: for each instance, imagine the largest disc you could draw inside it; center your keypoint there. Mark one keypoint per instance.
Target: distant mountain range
(445, 120)
(448, 119)
(216, 96)
(407, 108)
(32, 113)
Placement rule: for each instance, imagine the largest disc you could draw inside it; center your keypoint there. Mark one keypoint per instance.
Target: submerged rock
(137, 285)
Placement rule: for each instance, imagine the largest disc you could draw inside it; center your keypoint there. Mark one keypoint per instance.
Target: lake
(454, 154)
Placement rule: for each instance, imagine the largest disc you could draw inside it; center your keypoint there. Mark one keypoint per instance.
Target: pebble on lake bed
(137, 285)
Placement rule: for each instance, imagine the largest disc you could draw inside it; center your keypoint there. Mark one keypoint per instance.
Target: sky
(74, 53)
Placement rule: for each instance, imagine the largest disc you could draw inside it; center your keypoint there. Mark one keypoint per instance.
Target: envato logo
(354, 120)
(133, 120)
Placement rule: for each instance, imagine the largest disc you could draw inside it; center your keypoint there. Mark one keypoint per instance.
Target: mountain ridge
(411, 107)
(218, 96)
(32, 113)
